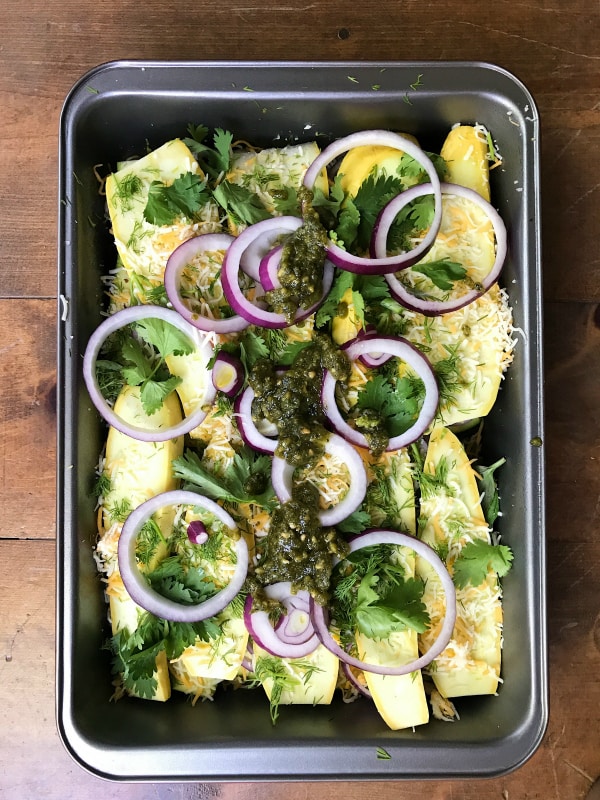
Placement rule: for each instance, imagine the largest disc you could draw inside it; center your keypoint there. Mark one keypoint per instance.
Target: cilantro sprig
(477, 559)
(245, 480)
(380, 612)
(351, 219)
(215, 160)
(372, 594)
(137, 357)
(396, 401)
(243, 205)
(135, 652)
(187, 586)
(443, 273)
(368, 292)
(184, 197)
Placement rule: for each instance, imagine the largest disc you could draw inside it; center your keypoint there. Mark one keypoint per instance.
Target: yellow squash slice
(136, 472)
(310, 680)
(400, 699)
(451, 516)
(465, 152)
(144, 247)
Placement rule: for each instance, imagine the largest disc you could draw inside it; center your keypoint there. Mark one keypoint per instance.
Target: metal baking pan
(109, 115)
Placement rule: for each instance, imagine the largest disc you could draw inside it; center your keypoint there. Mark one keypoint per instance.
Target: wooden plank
(572, 342)
(46, 51)
(27, 418)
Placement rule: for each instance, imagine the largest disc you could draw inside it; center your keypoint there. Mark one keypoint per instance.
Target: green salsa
(372, 426)
(297, 548)
(301, 268)
(291, 399)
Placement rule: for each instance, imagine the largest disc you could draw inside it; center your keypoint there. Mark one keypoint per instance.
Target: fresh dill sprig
(120, 510)
(148, 540)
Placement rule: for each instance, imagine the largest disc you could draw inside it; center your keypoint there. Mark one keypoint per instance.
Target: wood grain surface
(44, 48)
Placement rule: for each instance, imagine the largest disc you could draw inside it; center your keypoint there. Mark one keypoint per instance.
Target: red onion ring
(177, 262)
(228, 373)
(433, 308)
(275, 640)
(282, 475)
(246, 426)
(400, 348)
(119, 320)
(246, 308)
(381, 536)
(263, 239)
(351, 678)
(138, 588)
(384, 264)
(372, 360)
(268, 269)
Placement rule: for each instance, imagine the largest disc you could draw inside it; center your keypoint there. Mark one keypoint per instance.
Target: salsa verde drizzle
(301, 268)
(297, 548)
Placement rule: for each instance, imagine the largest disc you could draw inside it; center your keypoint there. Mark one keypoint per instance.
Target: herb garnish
(372, 594)
(135, 652)
(245, 480)
(443, 273)
(476, 559)
(490, 502)
(184, 197)
(275, 670)
(140, 360)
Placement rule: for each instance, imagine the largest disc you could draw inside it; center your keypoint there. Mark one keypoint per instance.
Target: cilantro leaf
(195, 141)
(348, 224)
(134, 652)
(184, 197)
(331, 307)
(142, 367)
(246, 479)
(442, 273)
(222, 141)
(373, 194)
(288, 355)
(167, 339)
(476, 559)
(146, 368)
(329, 205)
(357, 522)
(373, 288)
(411, 169)
(332, 201)
(285, 201)
(397, 401)
(412, 219)
(185, 586)
(213, 160)
(399, 609)
(487, 484)
(372, 594)
(240, 203)
(253, 347)
(153, 393)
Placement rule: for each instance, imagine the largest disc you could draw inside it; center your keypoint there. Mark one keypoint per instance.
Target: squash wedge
(399, 699)
(451, 516)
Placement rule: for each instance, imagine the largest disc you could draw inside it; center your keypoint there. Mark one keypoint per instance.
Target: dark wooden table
(554, 47)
